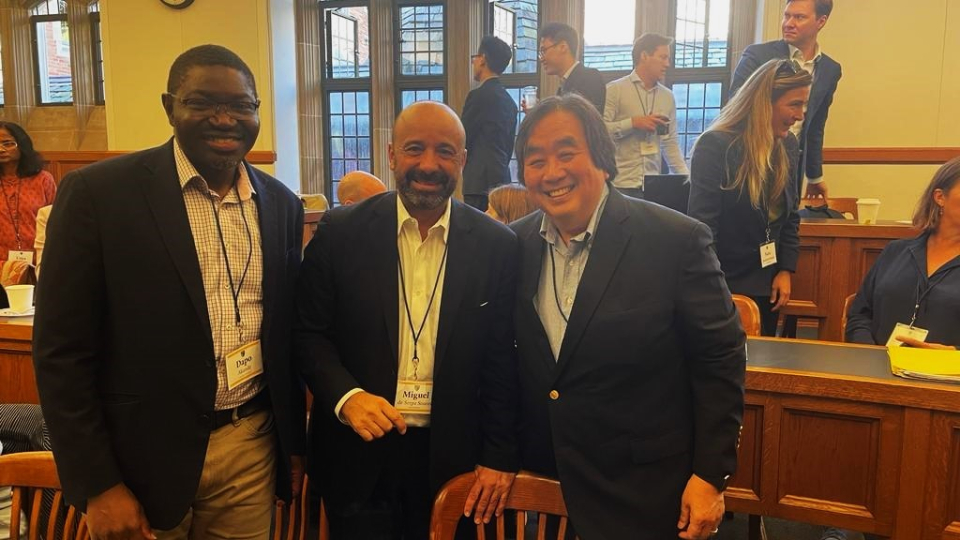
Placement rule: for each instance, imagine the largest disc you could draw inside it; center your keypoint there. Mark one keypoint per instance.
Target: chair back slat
(530, 493)
(562, 532)
(481, 532)
(33, 478)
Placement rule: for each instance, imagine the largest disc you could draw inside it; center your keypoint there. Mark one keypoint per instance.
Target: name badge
(414, 397)
(22, 256)
(650, 145)
(244, 363)
(905, 330)
(768, 254)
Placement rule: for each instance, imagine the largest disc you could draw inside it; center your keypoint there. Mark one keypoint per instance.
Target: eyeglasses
(543, 50)
(8, 145)
(238, 110)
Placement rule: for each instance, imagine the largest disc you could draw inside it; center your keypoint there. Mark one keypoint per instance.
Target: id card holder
(414, 397)
(905, 330)
(768, 254)
(22, 256)
(649, 145)
(244, 363)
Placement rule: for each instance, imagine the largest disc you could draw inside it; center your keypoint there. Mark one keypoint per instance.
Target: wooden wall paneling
(855, 448)
(807, 286)
(913, 473)
(942, 491)
(17, 381)
(746, 483)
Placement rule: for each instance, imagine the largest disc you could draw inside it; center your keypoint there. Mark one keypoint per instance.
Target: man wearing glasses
(163, 329)
(559, 44)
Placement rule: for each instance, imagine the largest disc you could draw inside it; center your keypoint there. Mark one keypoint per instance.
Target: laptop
(670, 190)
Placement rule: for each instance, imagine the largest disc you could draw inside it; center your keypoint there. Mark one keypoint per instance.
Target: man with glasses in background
(162, 337)
(559, 44)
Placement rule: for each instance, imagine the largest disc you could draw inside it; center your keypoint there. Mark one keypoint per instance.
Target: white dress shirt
(628, 97)
(424, 268)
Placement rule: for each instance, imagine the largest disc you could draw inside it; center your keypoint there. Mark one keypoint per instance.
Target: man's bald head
(427, 155)
(358, 186)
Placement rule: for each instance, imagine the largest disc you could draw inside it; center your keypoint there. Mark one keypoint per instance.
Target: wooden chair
(843, 318)
(749, 314)
(29, 474)
(290, 523)
(530, 492)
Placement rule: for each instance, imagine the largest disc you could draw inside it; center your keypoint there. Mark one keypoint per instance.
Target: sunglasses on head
(788, 68)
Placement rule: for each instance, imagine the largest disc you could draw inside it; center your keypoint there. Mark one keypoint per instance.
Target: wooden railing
(889, 156)
(59, 163)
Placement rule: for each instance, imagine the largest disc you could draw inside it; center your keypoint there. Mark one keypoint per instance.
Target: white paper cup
(20, 297)
(867, 210)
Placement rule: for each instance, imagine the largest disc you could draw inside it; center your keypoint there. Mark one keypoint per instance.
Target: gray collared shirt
(560, 273)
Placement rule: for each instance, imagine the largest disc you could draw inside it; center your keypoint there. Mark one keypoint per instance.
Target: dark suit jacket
(827, 76)
(122, 342)
(739, 228)
(587, 82)
(650, 376)
(347, 337)
(490, 119)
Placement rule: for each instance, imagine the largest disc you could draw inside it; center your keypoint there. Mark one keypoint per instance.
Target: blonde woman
(743, 186)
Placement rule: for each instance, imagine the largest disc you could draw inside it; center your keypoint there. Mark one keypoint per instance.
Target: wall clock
(177, 4)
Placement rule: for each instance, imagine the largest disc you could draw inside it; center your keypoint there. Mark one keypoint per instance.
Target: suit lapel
(456, 278)
(532, 264)
(165, 200)
(383, 249)
(270, 244)
(818, 92)
(608, 247)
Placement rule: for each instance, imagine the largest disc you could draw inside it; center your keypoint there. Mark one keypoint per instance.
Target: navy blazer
(827, 76)
(490, 120)
(122, 343)
(347, 337)
(587, 82)
(739, 228)
(648, 387)
(889, 293)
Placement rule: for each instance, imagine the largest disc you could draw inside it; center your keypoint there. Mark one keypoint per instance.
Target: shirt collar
(404, 217)
(797, 54)
(569, 71)
(186, 173)
(550, 233)
(637, 80)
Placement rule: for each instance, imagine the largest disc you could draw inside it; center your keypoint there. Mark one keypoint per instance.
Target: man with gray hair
(631, 352)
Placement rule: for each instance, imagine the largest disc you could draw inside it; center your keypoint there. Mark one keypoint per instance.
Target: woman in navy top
(916, 282)
(743, 186)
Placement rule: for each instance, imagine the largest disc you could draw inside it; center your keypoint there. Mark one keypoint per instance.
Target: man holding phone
(640, 114)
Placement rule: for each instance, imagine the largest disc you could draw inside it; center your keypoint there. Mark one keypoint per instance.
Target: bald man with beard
(405, 338)
(358, 186)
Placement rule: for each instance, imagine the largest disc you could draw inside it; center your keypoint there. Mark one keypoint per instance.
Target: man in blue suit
(802, 22)
(490, 120)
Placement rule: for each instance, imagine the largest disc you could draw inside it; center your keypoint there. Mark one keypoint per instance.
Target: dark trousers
(635, 192)
(477, 201)
(768, 318)
(399, 508)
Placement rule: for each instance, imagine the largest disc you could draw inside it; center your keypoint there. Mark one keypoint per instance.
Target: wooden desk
(835, 256)
(17, 383)
(830, 436)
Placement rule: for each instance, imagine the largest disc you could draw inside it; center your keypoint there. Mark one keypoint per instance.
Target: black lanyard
(403, 286)
(235, 291)
(643, 104)
(14, 213)
(556, 295)
(922, 293)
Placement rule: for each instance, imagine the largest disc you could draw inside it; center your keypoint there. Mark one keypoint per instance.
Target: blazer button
(554, 395)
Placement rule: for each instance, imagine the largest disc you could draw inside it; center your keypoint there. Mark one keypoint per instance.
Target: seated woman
(914, 287)
(743, 186)
(509, 203)
(26, 188)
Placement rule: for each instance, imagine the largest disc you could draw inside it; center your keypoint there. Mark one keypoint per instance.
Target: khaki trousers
(235, 498)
